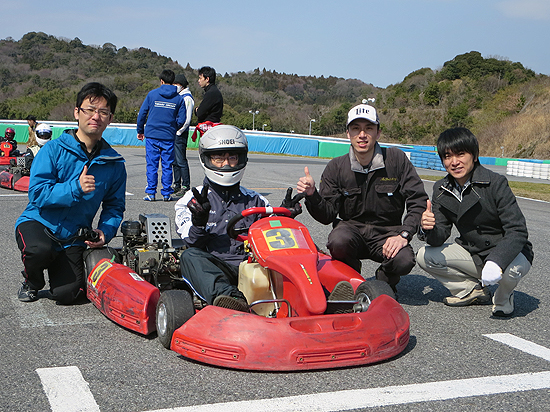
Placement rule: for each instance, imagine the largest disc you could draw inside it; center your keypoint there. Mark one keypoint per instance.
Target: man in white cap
(364, 195)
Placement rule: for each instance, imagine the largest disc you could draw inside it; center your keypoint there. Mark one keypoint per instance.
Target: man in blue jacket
(71, 177)
(164, 112)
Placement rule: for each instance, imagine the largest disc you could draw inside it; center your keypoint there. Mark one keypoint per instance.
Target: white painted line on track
(521, 344)
(34, 315)
(377, 397)
(67, 390)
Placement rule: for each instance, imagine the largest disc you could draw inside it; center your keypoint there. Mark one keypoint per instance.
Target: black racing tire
(174, 308)
(92, 256)
(368, 291)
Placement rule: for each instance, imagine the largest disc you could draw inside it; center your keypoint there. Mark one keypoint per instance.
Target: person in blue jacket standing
(71, 177)
(161, 115)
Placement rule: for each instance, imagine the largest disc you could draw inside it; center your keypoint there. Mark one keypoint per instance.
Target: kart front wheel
(368, 291)
(174, 308)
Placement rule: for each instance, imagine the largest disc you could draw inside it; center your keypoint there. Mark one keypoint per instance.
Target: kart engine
(147, 249)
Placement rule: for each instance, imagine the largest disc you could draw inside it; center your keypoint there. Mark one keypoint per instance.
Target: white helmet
(223, 139)
(43, 134)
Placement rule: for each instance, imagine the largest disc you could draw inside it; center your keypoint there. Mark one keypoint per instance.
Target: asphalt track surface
(72, 358)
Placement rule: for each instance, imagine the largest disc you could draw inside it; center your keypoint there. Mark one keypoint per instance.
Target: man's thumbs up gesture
(428, 218)
(87, 182)
(306, 183)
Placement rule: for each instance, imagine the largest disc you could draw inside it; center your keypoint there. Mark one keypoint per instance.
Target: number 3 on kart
(280, 239)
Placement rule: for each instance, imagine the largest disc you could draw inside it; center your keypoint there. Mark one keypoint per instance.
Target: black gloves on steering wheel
(293, 203)
(199, 207)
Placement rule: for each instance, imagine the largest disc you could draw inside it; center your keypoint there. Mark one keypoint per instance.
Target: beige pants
(454, 267)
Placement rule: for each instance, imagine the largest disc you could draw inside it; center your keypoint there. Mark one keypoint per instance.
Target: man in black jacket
(368, 189)
(493, 246)
(209, 112)
(211, 107)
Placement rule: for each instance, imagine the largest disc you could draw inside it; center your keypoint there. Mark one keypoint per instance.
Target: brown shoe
(478, 296)
(229, 302)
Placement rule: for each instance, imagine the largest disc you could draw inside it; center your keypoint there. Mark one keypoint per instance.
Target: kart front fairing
(301, 336)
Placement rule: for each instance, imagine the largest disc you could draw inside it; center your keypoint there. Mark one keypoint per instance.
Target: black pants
(208, 275)
(350, 242)
(65, 265)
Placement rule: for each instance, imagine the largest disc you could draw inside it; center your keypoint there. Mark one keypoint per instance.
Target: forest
(40, 74)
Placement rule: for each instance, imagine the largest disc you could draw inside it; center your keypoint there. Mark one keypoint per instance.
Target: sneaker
(26, 294)
(506, 310)
(478, 296)
(228, 302)
(181, 192)
(341, 299)
(149, 198)
(168, 198)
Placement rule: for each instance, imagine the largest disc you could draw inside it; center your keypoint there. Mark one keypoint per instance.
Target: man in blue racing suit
(71, 177)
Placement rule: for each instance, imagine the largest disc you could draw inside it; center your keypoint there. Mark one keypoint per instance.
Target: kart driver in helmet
(9, 136)
(210, 264)
(43, 134)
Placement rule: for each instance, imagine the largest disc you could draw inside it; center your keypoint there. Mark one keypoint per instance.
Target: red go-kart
(14, 170)
(290, 325)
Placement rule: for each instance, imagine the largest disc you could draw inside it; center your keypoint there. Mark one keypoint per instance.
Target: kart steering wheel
(239, 234)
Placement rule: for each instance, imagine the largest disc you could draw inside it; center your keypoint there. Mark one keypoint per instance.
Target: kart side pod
(123, 296)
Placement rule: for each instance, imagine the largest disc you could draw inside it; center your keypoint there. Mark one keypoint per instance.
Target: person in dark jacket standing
(493, 246)
(210, 111)
(71, 177)
(164, 112)
(364, 194)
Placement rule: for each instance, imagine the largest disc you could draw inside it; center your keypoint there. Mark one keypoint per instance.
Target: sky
(378, 41)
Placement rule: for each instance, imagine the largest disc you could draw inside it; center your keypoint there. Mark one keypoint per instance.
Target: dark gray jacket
(489, 220)
(378, 197)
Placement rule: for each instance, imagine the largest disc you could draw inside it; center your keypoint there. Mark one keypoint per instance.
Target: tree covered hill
(41, 74)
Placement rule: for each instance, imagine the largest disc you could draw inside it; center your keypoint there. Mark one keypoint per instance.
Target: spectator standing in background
(209, 112)
(182, 179)
(161, 115)
(31, 120)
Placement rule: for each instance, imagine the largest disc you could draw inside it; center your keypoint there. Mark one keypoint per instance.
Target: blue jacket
(56, 199)
(164, 112)
(225, 202)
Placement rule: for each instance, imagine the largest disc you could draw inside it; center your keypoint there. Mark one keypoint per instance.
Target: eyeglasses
(103, 113)
(220, 159)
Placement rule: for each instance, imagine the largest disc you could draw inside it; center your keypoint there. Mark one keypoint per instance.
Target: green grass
(539, 191)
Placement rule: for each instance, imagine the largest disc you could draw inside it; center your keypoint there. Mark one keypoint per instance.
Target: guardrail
(426, 157)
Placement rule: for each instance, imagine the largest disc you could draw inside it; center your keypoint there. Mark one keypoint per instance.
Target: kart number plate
(99, 271)
(280, 238)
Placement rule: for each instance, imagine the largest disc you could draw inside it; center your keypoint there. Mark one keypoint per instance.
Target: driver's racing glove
(293, 203)
(199, 207)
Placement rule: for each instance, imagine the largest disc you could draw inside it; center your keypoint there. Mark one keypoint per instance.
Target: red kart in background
(14, 170)
(286, 280)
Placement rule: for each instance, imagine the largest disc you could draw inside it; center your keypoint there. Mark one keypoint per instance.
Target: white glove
(491, 273)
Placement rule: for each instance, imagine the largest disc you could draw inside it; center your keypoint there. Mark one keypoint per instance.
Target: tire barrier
(528, 169)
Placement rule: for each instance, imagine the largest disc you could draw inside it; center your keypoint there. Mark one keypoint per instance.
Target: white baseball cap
(363, 111)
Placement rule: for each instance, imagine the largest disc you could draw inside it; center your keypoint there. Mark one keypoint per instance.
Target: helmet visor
(224, 161)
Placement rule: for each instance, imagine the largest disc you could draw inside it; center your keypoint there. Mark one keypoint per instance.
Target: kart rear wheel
(174, 308)
(368, 291)
(92, 257)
